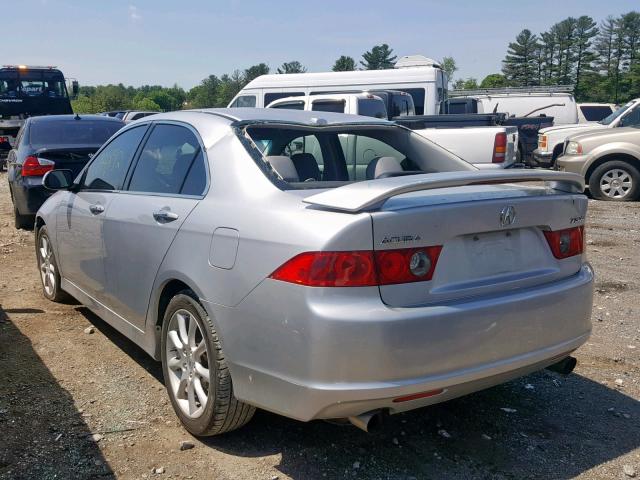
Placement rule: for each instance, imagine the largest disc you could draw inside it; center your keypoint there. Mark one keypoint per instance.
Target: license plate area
(492, 253)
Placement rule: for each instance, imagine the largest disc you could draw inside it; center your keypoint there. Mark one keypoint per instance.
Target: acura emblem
(507, 215)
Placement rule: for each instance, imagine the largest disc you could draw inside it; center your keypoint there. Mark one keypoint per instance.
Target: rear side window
(328, 106)
(166, 160)
(401, 106)
(108, 169)
(299, 105)
(72, 132)
(595, 113)
(270, 97)
(372, 107)
(244, 101)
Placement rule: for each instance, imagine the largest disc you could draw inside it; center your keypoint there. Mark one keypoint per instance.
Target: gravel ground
(80, 405)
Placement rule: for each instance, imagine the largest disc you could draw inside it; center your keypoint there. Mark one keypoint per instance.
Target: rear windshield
(372, 107)
(594, 113)
(324, 157)
(72, 132)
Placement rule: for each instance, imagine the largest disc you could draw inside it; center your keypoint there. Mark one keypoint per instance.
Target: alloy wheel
(47, 267)
(188, 363)
(616, 183)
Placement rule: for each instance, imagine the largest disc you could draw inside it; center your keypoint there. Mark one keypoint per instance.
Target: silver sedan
(317, 265)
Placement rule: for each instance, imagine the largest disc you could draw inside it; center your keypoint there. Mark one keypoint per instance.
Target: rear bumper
(29, 195)
(306, 353)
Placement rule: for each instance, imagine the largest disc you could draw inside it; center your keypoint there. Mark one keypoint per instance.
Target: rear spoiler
(369, 195)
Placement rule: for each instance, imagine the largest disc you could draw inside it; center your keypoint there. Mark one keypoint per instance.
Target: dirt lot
(78, 405)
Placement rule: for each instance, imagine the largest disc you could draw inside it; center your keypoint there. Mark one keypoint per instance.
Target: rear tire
(22, 222)
(615, 181)
(48, 267)
(195, 370)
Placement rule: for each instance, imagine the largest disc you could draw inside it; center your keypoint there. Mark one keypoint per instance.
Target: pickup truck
(551, 140)
(485, 146)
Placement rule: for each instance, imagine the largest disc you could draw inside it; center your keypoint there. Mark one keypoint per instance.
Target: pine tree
(519, 65)
(379, 58)
(585, 31)
(344, 64)
(292, 67)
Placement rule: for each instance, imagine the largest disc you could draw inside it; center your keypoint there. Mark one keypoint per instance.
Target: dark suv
(48, 142)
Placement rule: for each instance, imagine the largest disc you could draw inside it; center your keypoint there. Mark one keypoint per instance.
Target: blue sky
(162, 42)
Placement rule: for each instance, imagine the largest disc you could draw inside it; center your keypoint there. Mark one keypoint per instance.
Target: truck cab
(27, 91)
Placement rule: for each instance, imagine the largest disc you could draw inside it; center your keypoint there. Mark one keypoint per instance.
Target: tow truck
(27, 91)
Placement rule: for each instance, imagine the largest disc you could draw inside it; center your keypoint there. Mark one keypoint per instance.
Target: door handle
(96, 209)
(165, 216)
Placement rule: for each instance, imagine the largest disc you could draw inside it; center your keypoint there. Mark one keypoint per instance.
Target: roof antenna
(77, 117)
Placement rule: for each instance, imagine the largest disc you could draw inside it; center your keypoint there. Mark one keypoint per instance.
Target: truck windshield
(607, 120)
(31, 84)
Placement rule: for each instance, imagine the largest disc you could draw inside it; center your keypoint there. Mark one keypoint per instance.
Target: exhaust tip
(564, 366)
(369, 422)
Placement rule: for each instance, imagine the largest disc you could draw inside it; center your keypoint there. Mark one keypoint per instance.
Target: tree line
(602, 61)
(213, 91)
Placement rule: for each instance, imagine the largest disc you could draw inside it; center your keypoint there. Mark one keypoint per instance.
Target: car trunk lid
(71, 157)
(491, 232)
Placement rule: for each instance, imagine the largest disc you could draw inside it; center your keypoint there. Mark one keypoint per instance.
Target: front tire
(48, 267)
(195, 370)
(615, 181)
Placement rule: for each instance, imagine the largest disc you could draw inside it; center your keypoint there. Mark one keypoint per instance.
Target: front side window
(631, 119)
(108, 169)
(244, 101)
(166, 160)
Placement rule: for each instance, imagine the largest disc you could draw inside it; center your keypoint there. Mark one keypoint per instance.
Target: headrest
(284, 166)
(381, 165)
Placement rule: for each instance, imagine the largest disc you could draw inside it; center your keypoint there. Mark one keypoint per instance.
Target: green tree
(344, 64)
(255, 71)
(146, 104)
(292, 67)
(378, 58)
(469, 83)
(204, 95)
(449, 66)
(494, 80)
(519, 64)
(586, 29)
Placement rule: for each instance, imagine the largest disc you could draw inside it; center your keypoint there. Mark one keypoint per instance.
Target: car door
(167, 182)
(80, 218)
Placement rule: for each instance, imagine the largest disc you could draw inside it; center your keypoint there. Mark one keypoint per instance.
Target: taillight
(499, 148)
(360, 268)
(406, 265)
(566, 243)
(4, 139)
(542, 142)
(35, 167)
(329, 269)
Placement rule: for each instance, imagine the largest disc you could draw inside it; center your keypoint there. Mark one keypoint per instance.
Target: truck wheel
(22, 221)
(195, 370)
(615, 181)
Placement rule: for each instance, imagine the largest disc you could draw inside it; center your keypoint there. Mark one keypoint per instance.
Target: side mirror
(75, 88)
(58, 180)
